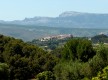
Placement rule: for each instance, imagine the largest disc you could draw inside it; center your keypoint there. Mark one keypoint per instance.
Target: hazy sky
(19, 9)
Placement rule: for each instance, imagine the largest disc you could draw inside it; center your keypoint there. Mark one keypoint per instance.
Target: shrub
(46, 75)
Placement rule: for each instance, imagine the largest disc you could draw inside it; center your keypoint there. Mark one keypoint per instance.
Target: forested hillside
(23, 61)
(77, 59)
(53, 43)
(100, 38)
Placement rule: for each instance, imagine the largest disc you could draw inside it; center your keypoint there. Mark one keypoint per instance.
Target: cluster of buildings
(63, 36)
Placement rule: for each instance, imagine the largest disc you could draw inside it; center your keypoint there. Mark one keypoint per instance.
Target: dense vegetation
(52, 44)
(76, 60)
(100, 39)
(23, 61)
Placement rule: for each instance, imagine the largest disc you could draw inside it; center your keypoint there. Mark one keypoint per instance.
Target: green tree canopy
(78, 49)
(4, 71)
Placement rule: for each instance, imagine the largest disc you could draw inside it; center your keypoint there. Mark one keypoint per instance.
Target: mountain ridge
(71, 19)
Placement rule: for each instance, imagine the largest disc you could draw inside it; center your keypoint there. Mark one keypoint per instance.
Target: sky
(20, 9)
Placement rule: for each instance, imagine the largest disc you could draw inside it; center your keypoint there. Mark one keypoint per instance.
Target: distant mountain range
(75, 23)
(68, 19)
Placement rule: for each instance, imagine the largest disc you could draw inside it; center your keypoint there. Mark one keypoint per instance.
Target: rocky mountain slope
(68, 19)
